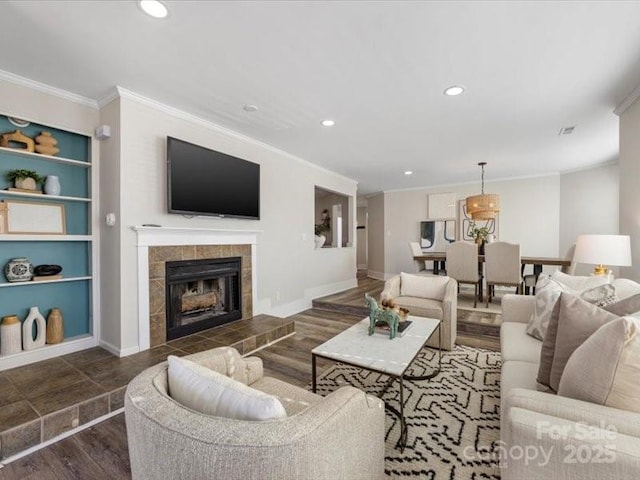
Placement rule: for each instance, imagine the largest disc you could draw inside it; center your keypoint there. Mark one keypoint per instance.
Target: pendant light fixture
(484, 206)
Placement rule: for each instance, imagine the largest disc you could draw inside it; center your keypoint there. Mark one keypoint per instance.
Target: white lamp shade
(612, 250)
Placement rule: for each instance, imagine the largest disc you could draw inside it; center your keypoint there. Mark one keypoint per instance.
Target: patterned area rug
(453, 419)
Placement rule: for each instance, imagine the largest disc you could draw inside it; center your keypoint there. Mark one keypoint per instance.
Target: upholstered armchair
(337, 436)
(427, 296)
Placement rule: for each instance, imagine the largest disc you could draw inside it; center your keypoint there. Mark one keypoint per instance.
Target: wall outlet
(304, 237)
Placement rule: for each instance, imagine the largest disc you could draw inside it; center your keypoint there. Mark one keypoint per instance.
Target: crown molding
(590, 167)
(189, 117)
(111, 95)
(628, 101)
(57, 92)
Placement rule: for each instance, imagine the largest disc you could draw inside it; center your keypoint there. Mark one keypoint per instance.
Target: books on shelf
(403, 327)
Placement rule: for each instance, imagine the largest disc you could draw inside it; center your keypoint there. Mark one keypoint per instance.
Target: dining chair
(531, 279)
(462, 265)
(416, 251)
(502, 267)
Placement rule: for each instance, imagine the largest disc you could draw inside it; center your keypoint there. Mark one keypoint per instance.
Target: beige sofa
(337, 436)
(443, 305)
(554, 428)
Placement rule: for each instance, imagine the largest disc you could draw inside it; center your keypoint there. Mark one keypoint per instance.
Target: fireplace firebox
(202, 294)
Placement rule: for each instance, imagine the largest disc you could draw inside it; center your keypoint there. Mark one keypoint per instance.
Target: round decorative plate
(18, 122)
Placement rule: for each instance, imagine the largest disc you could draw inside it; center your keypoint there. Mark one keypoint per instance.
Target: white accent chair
(462, 265)
(440, 300)
(501, 267)
(337, 436)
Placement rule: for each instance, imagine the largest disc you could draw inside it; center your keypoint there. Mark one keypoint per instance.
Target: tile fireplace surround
(157, 245)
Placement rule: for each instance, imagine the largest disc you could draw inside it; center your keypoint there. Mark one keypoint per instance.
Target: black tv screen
(205, 182)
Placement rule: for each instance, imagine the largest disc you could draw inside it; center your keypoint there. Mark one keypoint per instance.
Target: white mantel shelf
(168, 236)
(158, 236)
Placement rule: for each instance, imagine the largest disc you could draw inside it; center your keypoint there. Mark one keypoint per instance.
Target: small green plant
(478, 232)
(19, 174)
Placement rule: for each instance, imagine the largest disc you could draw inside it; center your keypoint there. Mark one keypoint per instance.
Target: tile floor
(44, 399)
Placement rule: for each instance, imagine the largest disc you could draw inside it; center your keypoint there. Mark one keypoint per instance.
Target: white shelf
(41, 196)
(24, 153)
(68, 345)
(42, 282)
(45, 238)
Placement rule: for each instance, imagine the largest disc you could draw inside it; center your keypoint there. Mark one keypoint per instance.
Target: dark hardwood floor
(100, 452)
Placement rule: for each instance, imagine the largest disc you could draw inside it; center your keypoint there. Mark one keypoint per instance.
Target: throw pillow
(606, 367)
(579, 283)
(547, 294)
(207, 391)
(600, 294)
(627, 306)
(423, 286)
(577, 321)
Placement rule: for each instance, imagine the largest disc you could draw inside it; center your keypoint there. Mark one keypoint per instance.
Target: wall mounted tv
(205, 182)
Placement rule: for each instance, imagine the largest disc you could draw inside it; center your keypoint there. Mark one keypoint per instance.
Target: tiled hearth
(45, 399)
(159, 255)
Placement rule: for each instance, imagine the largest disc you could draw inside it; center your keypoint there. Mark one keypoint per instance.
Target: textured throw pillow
(605, 369)
(423, 286)
(207, 391)
(627, 306)
(577, 321)
(547, 294)
(578, 283)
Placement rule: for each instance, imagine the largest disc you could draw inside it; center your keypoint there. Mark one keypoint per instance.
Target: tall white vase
(10, 336)
(28, 342)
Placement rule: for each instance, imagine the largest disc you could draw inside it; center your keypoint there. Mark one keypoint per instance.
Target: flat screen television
(201, 181)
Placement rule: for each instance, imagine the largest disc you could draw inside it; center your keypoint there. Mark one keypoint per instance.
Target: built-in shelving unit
(76, 293)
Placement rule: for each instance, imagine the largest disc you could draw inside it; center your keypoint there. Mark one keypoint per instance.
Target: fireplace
(202, 294)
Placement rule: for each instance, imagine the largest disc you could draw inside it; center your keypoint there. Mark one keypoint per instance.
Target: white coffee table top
(377, 352)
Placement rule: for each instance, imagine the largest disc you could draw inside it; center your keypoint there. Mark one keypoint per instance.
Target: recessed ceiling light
(408, 172)
(250, 108)
(567, 130)
(454, 90)
(328, 123)
(154, 8)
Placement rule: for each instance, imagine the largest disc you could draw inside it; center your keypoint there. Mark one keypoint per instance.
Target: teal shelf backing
(72, 145)
(74, 257)
(72, 298)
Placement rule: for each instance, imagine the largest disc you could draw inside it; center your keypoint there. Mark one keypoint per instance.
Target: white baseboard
(119, 352)
(362, 266)
(376, 275)
(302, 304)
(26, 357)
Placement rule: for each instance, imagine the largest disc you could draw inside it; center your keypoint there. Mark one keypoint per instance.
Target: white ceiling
(377, 68)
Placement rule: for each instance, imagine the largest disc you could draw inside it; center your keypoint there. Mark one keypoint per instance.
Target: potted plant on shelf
(322, 228)
(24, 179)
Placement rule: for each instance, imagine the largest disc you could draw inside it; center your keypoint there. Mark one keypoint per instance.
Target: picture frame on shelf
(31, 218)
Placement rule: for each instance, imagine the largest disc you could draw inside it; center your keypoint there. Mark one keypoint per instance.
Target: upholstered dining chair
(502, 267)
(415, 251)
(531, 279)
(462, 265)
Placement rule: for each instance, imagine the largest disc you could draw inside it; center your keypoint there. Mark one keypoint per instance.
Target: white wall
(630, 185)
(589, 201)
(290, 270)
(376, 236)
(529, 216)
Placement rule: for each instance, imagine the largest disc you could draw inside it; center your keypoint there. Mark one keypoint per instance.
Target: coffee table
(380, 354)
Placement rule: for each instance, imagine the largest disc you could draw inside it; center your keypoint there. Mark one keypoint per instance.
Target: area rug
(453, 420)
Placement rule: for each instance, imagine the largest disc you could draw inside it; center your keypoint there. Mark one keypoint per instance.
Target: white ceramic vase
(52, 185)
(319, 240)
(28, 342)
(10, 336)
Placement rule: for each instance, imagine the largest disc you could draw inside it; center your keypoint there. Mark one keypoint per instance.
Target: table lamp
(603, 250)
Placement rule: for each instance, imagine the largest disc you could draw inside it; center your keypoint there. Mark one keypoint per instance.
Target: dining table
(439, 258)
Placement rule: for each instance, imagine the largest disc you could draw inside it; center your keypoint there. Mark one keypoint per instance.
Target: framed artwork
(441, 206)
(436, 234)
(465, 223)
(32, 218)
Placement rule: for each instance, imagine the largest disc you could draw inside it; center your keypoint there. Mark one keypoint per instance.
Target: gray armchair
(443, 307)
(337, 436)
